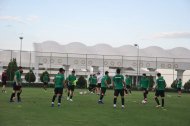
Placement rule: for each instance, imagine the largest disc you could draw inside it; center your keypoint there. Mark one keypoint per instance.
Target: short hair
(19, 67)
(118, 70)
(144, 74)
(61, 70)
(158, 74)
(106, 72)
(98, 73)
(126, 75)
(73, 71)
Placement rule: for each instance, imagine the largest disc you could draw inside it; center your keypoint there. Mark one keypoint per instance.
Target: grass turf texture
(35, 110)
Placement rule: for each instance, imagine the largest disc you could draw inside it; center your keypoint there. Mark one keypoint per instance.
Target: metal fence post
(86, 64)
(122, 63)
(156, 63)
(173, 68)
(30, 60)
(67, 64)
(50, 61)
(103, 64)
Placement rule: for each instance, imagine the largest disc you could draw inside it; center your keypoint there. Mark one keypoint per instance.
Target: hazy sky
(164, 23)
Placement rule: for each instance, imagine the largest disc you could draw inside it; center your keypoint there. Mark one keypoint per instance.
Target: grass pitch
(35, 110)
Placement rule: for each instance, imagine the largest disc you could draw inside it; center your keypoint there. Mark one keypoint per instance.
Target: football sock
(144, 94)
(122, 101)
(53, 99)
(157, 101)
(18, 96)
(114, 100)
(59, 99)
(101, 97)
(71, 97)
(68, 93)
(12, 95)
(162, 102)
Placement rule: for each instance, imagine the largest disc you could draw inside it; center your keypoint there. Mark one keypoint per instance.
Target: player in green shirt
(59, 81)
(71, 85)
(17, 85)
(93, 82)
(128, 82)
(144, 83)
(90, 83)
(4, 79)
(160, 89)
(45, 81)
(119, 86)
(179, 85)
(104, 85)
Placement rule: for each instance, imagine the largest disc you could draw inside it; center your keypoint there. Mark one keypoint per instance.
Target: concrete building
(86, 60)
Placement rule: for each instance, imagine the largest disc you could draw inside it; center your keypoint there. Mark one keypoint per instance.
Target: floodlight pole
(21, 38)
(136, 45)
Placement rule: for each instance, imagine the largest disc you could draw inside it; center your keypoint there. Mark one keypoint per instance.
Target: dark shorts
(160, 93)
(178, 89)
(16, 87)
(45, 83)
(99, 85)
(71, 87)
(145, 90)
(103, 90)
(128, 86)
(92, 86)
(4, 83)
(118, 91)
(58, 90)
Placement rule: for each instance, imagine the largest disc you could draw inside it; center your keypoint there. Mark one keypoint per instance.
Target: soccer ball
(143, 101)
(81, 93)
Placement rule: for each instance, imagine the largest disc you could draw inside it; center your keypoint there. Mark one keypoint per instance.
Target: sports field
(35, 110)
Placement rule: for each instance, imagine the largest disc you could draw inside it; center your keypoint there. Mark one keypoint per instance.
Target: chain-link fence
(86, 64)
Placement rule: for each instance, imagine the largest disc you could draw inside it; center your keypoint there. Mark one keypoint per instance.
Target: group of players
(120, 86)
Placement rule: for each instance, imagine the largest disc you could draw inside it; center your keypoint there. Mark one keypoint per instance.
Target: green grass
(35, 110)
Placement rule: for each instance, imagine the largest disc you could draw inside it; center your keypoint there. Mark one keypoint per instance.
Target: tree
(151, 80)
(12, 68)
(187, 86)
(81, 83)
(42, 75)
(174, 84)
(30, 77)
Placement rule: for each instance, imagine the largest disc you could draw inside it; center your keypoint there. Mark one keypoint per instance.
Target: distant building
(86, 60)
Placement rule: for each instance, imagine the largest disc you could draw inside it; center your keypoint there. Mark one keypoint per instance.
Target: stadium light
(136, 45)
(21, 38)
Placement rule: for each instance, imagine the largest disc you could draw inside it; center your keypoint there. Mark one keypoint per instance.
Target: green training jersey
(118, 81)
(128, 81)
(59, 80)
(179, 84)
(161, 84)
(104, 81)
(71, 78)
(94, 80)
(90, 80)
(18, 76)
(144, 82)
(45, 78)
